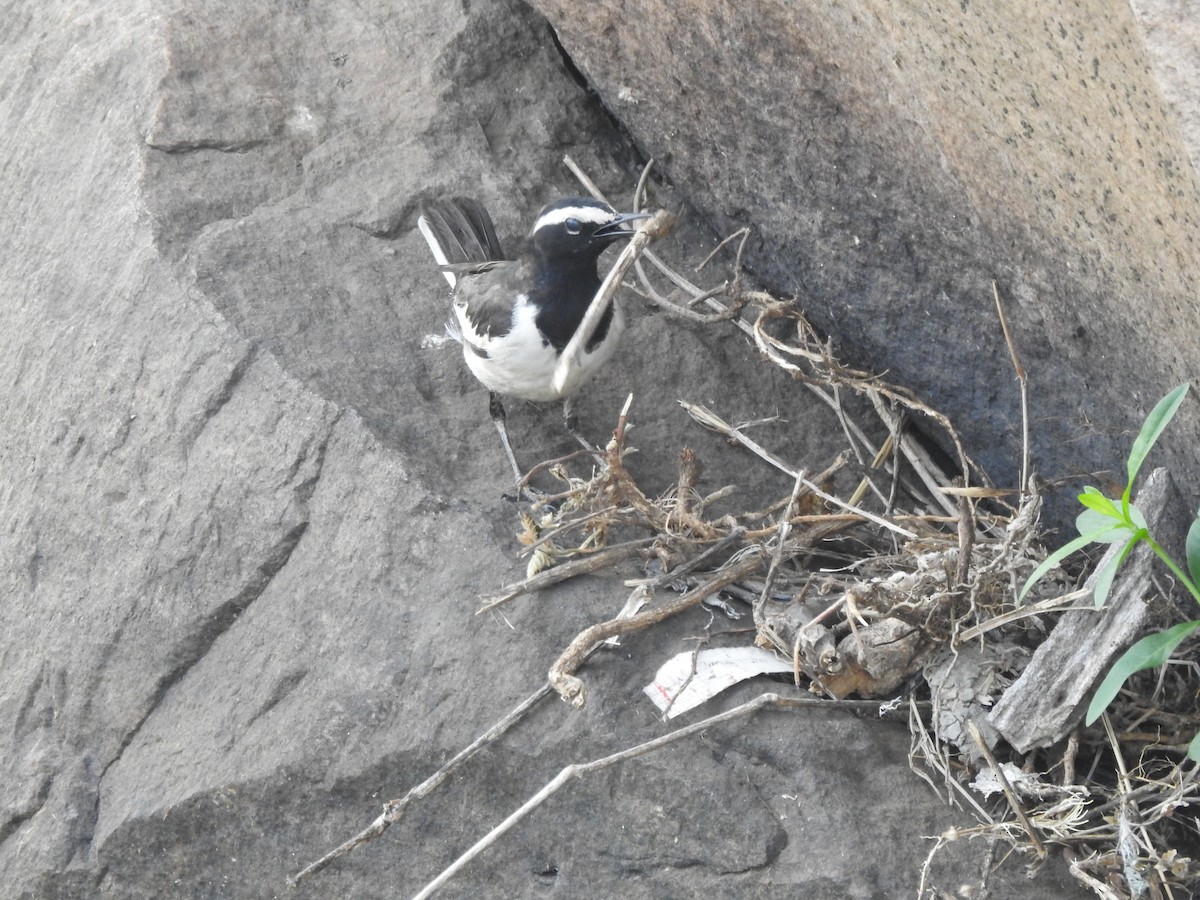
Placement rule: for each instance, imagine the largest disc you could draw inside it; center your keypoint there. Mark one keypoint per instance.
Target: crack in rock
(14, 818)
(197, 645)
(237, 146)
(221, 397)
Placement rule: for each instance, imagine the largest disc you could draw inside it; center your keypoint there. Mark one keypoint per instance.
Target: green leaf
(1094, 500)
(1105, 576)
(1136, 517)
(1192, 551)
(1109, 529)
(1194, 748)
(1158, 419)
(1149, 653)
(1100, 536)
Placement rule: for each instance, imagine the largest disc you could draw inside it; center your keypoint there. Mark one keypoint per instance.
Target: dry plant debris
(903, 589)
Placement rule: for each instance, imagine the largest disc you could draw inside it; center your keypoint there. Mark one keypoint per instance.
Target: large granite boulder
(898, 160)
(249, 499)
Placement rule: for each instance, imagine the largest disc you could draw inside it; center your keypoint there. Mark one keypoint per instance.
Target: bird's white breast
(521, 363)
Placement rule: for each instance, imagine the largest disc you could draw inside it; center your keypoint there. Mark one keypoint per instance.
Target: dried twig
(785, 526)
(570, 773)
(1022, 381)
(562, 672)
(1050, 604)
(709, 419)
(652, 229)
(1009, 793)
(601, 559)
(394, 810)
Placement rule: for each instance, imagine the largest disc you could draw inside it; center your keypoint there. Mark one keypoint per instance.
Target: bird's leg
(496, 411)
(572, 423)
(569, 418)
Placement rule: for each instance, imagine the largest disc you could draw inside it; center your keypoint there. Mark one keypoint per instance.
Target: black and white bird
(514, 317)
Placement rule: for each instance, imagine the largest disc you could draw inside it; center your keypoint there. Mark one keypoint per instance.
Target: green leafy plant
(1108, 521)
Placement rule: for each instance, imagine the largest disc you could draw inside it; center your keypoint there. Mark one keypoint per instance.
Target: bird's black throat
(563, 290)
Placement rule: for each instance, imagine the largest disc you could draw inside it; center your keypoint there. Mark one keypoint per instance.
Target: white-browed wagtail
(514, 317)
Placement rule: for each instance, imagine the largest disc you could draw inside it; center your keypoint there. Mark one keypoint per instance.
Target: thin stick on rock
(1009, 793)
(393, 810)
(1051, 604)
(570, 773)
(1023, 383)
(562, 672)
(588, 184)
(550, 535)
(692, 564)
(709, 419)
(672, 275)
(601, 559)
(684, 312)
(639, 192)
(785, 526)
(657, 226)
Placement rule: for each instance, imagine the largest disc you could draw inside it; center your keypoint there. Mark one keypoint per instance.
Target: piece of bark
(1049, 698)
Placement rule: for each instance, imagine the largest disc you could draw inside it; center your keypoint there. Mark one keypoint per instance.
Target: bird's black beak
(619, 227)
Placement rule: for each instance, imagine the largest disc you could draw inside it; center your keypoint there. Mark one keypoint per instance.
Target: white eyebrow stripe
(591, 214)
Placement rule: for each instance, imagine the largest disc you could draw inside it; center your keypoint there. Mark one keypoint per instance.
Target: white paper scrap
(691, 678)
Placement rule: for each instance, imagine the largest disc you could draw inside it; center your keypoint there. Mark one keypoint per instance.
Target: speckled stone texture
(898, 159)
(1172, 32)
(248, 501)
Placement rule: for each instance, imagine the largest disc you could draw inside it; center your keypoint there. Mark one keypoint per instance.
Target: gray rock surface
(898, 160)
(247, 508)
(1172, 32)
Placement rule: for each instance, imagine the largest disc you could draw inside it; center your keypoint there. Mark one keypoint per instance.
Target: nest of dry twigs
(925, 608)
(921, 613)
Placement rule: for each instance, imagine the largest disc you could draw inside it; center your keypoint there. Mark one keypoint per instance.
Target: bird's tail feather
(460, 233)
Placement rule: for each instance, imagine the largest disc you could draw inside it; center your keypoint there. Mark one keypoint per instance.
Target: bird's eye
(573, 226)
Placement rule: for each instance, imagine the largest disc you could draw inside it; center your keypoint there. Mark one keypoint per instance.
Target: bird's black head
(578, 229)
